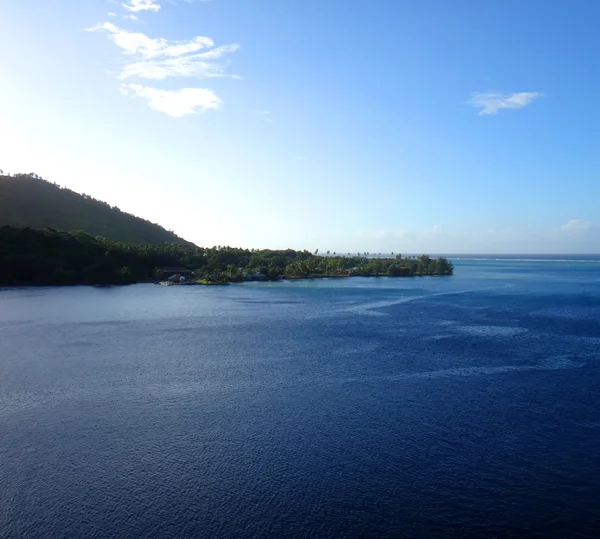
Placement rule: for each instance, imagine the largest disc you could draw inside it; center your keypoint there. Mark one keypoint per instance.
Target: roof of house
(176, 270)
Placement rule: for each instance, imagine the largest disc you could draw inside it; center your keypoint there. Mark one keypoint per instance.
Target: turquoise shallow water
(425, 407)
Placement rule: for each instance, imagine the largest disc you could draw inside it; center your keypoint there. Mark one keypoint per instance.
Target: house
(254, 276)
(178, 271)
(173, 275)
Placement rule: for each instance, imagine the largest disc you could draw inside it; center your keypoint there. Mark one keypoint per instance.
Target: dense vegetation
(50, 257)
(27, 200)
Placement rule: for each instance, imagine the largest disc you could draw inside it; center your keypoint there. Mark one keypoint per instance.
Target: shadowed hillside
(29, 201)
(51, 257)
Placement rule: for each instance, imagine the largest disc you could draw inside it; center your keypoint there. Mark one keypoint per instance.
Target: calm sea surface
(466, 406)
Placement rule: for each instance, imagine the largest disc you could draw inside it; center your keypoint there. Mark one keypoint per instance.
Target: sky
(382, 125)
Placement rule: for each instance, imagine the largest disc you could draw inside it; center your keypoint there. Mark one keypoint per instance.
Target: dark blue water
(429, 407)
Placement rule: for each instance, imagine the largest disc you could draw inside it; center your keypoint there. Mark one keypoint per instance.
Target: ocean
(463, 406)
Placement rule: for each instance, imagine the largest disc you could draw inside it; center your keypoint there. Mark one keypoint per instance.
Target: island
(50, 257)
(53, 236)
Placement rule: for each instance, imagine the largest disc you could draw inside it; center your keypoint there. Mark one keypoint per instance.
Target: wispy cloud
(159, 58)
(131, 17)
(492, 102)
(201, 66)
(176, 103)
(153, 5)
(136, 43)
(261, 112)
(142, 5)
(579, 226)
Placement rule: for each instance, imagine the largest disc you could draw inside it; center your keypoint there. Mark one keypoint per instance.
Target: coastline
(208, 283)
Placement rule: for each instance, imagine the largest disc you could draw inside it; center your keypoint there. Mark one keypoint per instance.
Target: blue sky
(388, 125)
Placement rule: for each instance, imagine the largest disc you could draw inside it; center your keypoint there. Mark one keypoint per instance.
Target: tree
(395, 270)
(53, 257)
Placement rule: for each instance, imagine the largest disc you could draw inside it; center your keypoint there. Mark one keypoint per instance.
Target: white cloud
(152, 5)
(261, 112)
(578, 226)
(111, 14)
(176, 103)
(196, 65)
(131, 17)
(492, 102)
(142, 5)
(159, 59)
(136, 43)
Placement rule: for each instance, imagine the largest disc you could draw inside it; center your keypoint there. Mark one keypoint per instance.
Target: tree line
(51, 257)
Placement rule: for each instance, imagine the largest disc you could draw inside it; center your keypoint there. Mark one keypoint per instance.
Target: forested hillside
(29, 201)
(51, 257)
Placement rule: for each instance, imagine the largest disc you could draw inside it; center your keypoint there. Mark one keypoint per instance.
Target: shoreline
(308, 278)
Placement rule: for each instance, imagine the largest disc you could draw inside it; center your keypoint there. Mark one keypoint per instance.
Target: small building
(174, 275)
(177, 271)
(258, 276)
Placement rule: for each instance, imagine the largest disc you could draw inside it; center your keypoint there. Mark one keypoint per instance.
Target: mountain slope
(29, 201)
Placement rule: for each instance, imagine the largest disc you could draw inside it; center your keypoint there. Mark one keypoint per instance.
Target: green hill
(49, 257)
(29, 201)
